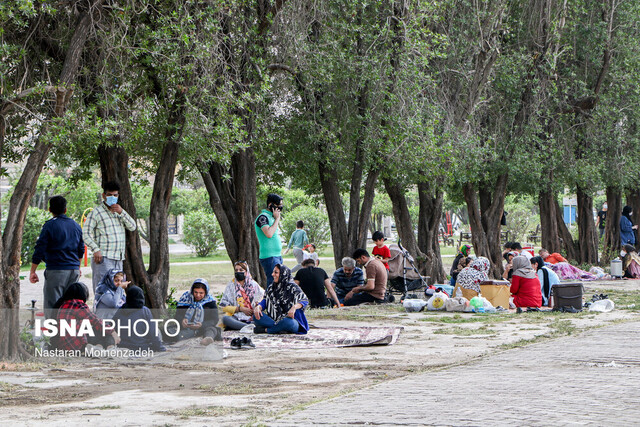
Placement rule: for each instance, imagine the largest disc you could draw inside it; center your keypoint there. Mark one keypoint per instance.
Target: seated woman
(110, 294)
(459, 262)
(547, 278)
(197, 313)
(146, 335)
(241, 295)
(470, 278)
(282, 309)
(630, 262)
(525, 285)
(508, 271)
(72, 305)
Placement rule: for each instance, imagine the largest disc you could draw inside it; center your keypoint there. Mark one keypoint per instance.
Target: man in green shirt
(267, 231)
(298, 240)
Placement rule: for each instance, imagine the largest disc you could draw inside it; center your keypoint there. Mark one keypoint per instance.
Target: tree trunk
(587, 235)
(548, 222)
(235, 205)
(485, 223)
(633, 200)
(11, 243)
(431, 200)
(612, 226)
(404, 226)
(114, 164)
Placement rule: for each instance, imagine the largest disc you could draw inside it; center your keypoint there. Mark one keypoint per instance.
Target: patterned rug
(322, 338)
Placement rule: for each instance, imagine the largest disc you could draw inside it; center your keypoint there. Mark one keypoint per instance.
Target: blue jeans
(268, 264)
(286, 324)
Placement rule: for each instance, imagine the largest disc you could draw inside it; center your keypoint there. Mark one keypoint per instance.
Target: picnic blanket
(323, 338)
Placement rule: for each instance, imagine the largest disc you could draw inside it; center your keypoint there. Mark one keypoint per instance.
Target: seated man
(197, 314)
(346, 278)
(313, 281)
(376, 285)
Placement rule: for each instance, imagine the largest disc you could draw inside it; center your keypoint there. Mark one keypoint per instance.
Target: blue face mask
(111, 200)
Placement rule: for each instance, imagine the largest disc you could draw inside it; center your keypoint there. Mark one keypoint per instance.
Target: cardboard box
(497, 292)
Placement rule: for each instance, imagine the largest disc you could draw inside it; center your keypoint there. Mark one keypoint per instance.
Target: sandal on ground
(236, 344)
(247, 343)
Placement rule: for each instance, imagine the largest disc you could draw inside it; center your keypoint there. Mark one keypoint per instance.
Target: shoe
(206, 341)
(236, 344)
(246, 342)
(260, 330)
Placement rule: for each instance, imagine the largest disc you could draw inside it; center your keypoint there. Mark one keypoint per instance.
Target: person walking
(266, 226)
(61, 247)
(298, 240)
(104, 233)
(602, 218)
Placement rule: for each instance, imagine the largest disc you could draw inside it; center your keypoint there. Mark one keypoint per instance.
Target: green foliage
(201, 232)
(33, 225)
(522, 218)
(316, 224)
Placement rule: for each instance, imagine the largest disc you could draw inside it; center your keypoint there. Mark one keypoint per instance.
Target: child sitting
(146, 335)
(381, 251)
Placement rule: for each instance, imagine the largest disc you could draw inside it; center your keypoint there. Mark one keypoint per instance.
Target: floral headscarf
(195, 310)
(282, 295)
(477, 272)
(246, 291)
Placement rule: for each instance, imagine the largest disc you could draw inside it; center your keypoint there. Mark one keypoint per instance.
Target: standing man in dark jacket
(61, 247)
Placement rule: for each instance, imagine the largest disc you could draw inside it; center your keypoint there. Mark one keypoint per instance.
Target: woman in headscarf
(240, 296)
(146, 335)
(547, 278)
(459, 262)
(471, 277)
(630, 262)
(197, 313)
(525, 285)
(72, 306)
(627, 229)
(110, 293)
(282, 309)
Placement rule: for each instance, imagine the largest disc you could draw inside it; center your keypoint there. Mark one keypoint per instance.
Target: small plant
(201, 232)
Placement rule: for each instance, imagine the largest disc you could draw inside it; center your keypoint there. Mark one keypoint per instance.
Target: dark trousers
(360, 298)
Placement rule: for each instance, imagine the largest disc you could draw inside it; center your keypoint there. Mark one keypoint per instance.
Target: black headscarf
(538, 260)
(282, 295)
(135, 297)
(75, 290)
(626, 212)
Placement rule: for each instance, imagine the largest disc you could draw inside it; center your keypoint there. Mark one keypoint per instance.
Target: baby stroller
(404, 277)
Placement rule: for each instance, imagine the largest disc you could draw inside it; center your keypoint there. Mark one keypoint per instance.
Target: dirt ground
(253, 386)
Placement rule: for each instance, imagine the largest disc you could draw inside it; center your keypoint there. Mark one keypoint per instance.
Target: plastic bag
(456, 304)
(599, 273)
(413, 304)
(437, 301)
(602, 306)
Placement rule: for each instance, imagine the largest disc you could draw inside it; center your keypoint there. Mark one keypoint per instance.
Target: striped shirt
(104, 231)
(345, 283)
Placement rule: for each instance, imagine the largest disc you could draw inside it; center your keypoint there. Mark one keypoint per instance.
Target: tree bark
(485, 222)
(550, 237)
(431, 201)
(612, 225)
(404, 226)
(587, 235)
(235, 205)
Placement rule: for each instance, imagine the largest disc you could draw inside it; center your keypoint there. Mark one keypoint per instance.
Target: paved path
(589, 379)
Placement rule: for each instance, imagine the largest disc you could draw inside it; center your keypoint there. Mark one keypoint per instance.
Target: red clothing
(555, 258)
(526, 292)
(382, 252)
(77, 309)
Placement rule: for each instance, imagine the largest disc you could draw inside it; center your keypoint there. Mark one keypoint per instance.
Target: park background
(472, 103)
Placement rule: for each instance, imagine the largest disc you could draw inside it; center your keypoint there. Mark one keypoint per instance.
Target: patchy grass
(391, 313)
(106, 407)
(466, 332)
(196, 411)
(623, 299)
(473, 318)
(7, 387)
